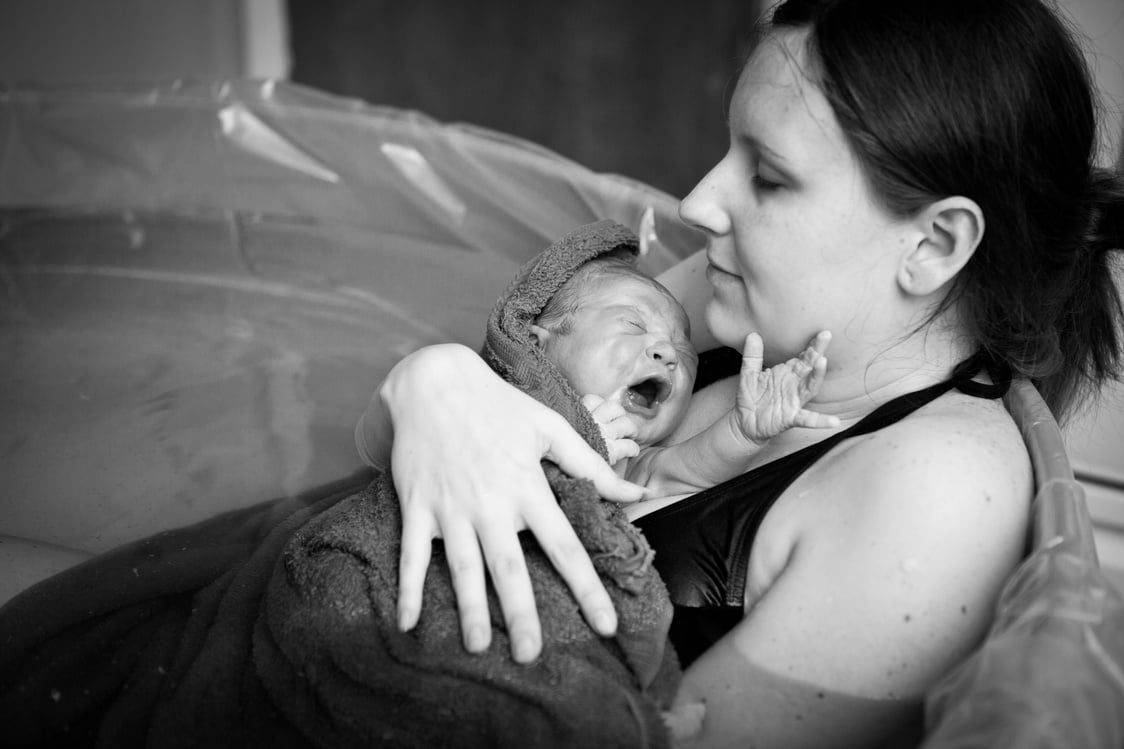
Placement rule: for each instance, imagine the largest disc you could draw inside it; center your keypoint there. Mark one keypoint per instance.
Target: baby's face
(629, 343)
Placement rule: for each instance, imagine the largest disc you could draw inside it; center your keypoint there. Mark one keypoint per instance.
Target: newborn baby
(623, 341)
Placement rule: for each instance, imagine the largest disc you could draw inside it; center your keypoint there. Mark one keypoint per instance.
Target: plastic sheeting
(200, 286)
(1051, 672)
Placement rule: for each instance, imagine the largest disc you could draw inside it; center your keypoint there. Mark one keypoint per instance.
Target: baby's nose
(663, 352)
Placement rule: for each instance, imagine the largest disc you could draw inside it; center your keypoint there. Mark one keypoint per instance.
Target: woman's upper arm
(893, 584)
(686, 280)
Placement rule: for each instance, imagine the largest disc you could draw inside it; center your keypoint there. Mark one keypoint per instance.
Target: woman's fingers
(462, 552)
(417, 543)
(577, 459)
(512, 582)
(468, 470)
(557, 538)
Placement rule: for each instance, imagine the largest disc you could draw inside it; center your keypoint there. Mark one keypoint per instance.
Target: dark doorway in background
(630, 87)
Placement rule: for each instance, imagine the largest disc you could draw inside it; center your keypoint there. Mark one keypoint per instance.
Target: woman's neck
(862, 377)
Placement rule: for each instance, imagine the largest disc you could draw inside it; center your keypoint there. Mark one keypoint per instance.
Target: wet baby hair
(558, 314)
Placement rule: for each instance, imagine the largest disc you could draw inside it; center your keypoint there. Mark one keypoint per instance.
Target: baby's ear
(539, 335)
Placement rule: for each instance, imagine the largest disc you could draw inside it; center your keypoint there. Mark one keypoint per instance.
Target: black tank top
(702, 543)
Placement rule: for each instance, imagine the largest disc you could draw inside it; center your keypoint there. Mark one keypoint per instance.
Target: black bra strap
(999, 371)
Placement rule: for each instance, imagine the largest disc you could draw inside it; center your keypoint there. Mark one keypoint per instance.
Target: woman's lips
(715, 274)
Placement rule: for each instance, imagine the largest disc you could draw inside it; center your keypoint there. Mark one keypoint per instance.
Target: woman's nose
(703, 206)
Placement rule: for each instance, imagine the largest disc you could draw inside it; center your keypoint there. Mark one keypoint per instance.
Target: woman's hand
(465, 461)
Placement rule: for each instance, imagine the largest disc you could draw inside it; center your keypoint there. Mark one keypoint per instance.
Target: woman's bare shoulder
(952, 482)
(955, 475)
(922, 522)
(959, 445)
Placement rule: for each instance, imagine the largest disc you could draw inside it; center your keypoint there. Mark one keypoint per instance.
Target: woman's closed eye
(765, 184)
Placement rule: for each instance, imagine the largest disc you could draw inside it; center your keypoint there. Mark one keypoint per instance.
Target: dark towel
(97, 655)
(276, 626)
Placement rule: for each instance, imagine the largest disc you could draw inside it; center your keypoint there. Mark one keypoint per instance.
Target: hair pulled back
(993, 101)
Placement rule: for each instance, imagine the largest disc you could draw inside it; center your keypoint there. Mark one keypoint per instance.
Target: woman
(916, 178)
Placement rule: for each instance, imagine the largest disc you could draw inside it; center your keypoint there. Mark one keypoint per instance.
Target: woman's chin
(727, 323)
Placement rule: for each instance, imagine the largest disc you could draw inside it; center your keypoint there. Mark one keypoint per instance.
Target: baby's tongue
(634, 399)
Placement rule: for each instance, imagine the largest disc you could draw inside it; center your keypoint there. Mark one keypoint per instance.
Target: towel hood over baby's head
(509, 346)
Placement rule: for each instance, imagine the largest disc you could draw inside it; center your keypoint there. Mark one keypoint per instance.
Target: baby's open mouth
(644, 396)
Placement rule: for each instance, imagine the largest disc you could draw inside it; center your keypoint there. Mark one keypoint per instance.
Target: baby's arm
(768, 402)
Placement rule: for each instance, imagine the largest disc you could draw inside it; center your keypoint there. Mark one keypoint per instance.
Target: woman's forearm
(374, 433)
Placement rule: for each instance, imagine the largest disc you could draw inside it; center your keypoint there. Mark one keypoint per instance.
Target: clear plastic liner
(1051, 671)
(201, 284)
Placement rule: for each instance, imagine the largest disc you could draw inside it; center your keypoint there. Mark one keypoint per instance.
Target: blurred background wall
(635, 87)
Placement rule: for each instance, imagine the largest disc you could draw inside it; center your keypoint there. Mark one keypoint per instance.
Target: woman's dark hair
(992, 100)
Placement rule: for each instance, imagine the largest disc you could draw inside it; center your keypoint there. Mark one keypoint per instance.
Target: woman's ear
(949, 232)
(539, 335)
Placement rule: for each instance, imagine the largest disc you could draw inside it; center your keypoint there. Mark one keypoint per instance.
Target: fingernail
(477, 639)
(603, 622)
(523, 649)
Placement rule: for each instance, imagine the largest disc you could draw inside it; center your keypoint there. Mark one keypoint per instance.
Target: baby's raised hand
(616, 427)
(772, 400)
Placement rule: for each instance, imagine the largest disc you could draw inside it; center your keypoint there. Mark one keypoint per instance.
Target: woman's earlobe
(950, 231)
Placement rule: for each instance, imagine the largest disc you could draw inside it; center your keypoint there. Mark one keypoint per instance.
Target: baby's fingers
(592, 402)
(621, 449)
(753, 355)
(815, 420)
(817, 347)
(610, 416)
(813, 379)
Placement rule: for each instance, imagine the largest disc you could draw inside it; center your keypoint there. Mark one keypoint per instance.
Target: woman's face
(796, 241)
(629, 342)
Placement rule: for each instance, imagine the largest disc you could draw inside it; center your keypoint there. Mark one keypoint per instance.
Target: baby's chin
(649, 431)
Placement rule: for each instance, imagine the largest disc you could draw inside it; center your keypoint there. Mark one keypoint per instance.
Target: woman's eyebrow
(772, 153)
(759, 145)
